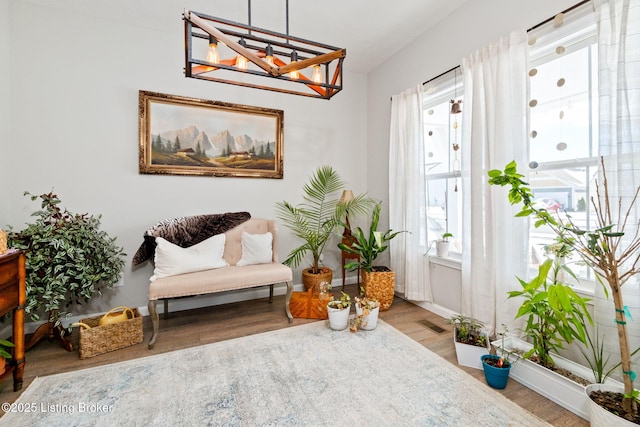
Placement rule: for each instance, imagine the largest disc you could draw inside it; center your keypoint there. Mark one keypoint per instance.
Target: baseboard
(436, 309)
(188, 303)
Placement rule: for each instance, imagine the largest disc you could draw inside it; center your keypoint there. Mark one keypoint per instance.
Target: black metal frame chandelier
(229, 52)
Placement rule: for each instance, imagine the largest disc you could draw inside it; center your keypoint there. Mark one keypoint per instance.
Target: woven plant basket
(380, 285)
(311, 281)
(97, 339)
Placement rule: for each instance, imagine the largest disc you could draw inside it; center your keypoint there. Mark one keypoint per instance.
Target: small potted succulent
(497, 366)
(442, 245)
(338, 311)
(367, 311)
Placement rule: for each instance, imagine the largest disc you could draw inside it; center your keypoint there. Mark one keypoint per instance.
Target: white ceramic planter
(469, 355)
(338, 318)
(442, 248)
(565, 392)
(600, 417)
(370, 322)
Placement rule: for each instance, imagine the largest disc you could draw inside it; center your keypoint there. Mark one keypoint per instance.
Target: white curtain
(407, 196)
(493, 134)
(619, 141)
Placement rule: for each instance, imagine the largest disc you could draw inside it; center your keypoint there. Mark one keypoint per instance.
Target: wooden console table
(13, 297)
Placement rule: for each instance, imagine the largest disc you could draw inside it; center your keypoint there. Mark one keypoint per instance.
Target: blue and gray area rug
(307, 375)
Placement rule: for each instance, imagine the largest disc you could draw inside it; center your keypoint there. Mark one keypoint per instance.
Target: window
(442, 135)
(563, 125)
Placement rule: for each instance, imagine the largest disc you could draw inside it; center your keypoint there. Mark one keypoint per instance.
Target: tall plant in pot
(69, 259)
(315, 220)
(378, 281)
(614, 256)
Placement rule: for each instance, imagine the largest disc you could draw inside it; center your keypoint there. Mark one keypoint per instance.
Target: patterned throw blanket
(187, 231)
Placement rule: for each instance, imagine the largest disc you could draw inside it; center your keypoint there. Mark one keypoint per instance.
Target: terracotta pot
(311, 281)
(3, 364)
(379, 285)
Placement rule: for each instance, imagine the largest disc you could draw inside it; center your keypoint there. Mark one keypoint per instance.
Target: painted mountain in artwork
(221, 144)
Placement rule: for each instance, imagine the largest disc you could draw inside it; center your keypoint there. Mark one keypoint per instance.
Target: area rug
(306, 375)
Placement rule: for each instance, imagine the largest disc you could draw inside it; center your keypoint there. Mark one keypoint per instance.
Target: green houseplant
(68, 260)
(614, 259)
(442, 245)
(469, 339)
(315, 220)
(367, 310)
(555, 313)
(338, 312)
(378, 281)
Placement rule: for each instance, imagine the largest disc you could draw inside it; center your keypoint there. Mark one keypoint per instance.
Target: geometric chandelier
(229, 52)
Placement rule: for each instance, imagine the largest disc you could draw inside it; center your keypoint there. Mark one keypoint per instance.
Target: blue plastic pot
(496, 377)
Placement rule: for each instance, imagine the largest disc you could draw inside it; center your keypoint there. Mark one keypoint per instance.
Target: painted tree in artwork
(176, 145)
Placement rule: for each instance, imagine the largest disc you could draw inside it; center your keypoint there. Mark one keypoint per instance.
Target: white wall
(476, 23)
(76, 68)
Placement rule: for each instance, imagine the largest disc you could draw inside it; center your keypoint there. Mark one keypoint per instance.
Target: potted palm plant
(470, 341)
(68, 260)
(315, 220)
(378, 281)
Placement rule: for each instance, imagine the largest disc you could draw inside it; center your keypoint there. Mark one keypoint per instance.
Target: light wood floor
(202, 326)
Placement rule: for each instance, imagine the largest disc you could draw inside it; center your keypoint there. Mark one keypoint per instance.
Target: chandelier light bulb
(316, 77)
(242, 62)
(269, 55)
(295, 74)
(212, 54)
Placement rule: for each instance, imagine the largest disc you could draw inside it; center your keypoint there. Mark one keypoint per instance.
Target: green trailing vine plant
(68, 259)
(613, 259)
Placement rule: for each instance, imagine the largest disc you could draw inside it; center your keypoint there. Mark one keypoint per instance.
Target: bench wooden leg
(153, 313)
(288, 300)
(270, 294)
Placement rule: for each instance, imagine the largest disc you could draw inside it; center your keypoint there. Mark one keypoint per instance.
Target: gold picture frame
(189, 136)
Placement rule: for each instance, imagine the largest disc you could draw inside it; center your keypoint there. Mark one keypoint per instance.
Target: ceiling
(370, 30)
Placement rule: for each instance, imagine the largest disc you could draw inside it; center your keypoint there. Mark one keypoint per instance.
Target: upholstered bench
(243, 257)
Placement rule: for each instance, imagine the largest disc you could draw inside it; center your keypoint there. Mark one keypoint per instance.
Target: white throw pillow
(256, 249)
(171, 259)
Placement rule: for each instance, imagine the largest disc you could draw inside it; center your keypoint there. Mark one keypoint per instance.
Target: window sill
(453, 260)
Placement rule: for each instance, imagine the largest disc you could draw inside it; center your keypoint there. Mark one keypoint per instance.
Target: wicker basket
(306, 305)
(97, 340)
(379, 285)
(311, 281)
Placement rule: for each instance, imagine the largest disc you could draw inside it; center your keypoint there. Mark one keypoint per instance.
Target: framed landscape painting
(188, 136)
